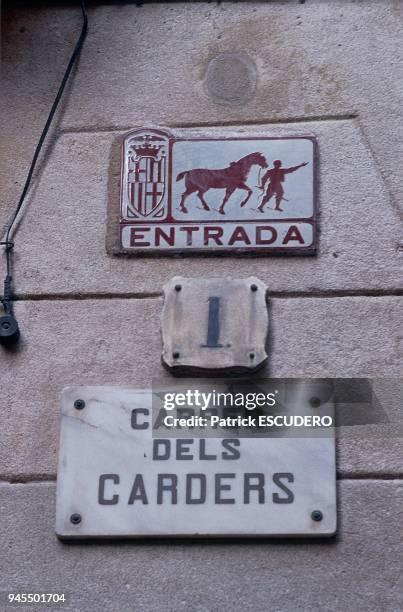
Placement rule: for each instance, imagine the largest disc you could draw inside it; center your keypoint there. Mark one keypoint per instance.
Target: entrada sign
(230, 194)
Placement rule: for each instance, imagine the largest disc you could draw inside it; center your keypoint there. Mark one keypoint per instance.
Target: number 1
(213, 325)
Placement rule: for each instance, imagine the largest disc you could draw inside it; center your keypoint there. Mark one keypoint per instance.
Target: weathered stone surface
(321, 59)
(68, 209)
(375, 440)
(117, 342)
(357, 71)
(214, 325)
(36, 45)
(297, 75)
(352, 572)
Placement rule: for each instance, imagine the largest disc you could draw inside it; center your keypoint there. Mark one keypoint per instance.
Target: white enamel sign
(115, 480)
(229, 194)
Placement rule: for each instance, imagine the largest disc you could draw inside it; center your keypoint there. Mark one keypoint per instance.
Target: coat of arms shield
(145, 180)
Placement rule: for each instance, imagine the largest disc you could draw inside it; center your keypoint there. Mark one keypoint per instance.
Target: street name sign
(205, 194)
(116, 480)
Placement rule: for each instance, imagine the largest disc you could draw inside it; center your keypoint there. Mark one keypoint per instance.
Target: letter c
(135, 424)
(101, 490)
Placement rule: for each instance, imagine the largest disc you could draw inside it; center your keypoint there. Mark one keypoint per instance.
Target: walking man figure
(276, 176)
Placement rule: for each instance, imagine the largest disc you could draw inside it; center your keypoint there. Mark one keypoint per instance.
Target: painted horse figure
(231, 178)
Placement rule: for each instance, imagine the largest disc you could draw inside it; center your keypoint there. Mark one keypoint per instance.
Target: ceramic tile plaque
(203, 194)
(116, 481)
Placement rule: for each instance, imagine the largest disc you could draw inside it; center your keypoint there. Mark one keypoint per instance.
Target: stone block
(60, 245)
(352, 571)
(117, 342)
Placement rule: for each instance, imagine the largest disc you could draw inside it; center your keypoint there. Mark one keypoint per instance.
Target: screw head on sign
(75, 518)
(79, 404)
(176, 354)
(253, 287)
(315, 402)
(316, 515)
(178, 287)
(251, 355)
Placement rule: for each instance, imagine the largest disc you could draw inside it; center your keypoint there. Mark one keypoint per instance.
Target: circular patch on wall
(231, 78)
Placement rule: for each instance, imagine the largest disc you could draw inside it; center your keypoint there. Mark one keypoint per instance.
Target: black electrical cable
(6, 335)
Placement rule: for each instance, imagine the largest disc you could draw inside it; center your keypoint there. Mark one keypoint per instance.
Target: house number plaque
(214, 325)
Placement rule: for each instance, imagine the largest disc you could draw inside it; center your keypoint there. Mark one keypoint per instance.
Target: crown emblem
(146, 148)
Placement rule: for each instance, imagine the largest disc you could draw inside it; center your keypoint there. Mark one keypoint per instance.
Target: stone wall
(328, 68)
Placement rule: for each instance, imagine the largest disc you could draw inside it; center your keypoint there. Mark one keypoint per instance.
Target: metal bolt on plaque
(214, 325)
